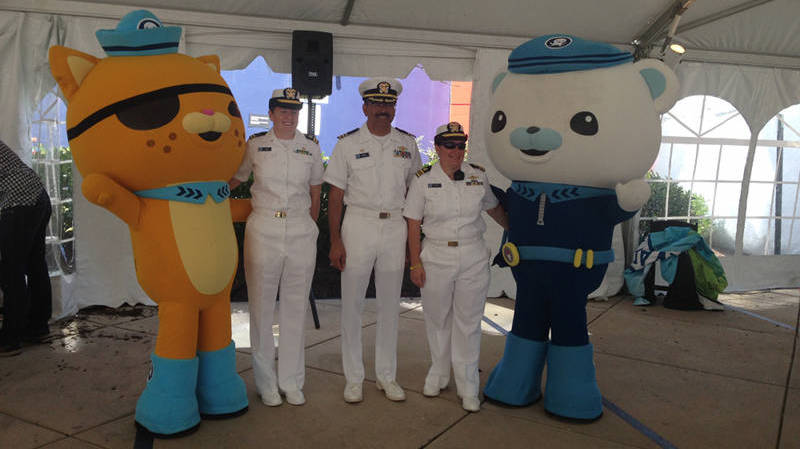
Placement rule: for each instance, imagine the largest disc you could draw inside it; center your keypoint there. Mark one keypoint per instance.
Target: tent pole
(742, 214)
(721, 15)
(348, 9)
(645, 38)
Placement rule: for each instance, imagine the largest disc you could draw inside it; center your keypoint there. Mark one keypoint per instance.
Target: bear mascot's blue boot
(517, 378)
(221, 391)
(168, 404)
(571, 390)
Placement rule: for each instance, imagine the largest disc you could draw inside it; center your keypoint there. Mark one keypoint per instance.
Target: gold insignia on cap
(454, 127)
(290, 93)
(383, 87)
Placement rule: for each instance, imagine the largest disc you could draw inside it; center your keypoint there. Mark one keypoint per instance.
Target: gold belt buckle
(586, 258)
(452, 243)
(280, 214)
(384, 215)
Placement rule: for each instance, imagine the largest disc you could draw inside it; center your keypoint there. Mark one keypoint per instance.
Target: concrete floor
(686, 379)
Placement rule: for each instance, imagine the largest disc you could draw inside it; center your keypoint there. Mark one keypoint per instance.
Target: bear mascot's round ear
(498, 79)
(661, 81)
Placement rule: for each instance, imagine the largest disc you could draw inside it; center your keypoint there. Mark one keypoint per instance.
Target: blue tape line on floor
(495, 325)
(755, 315)
(648, 432)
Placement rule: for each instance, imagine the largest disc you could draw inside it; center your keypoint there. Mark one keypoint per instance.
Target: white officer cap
(288, 98)
(452, 131)
(380, 90)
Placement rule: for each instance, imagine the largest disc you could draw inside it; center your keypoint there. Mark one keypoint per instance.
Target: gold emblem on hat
(383, 87)
(290, 93)
(454, 127)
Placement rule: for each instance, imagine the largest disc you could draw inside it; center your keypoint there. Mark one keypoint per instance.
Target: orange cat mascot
(156, 135)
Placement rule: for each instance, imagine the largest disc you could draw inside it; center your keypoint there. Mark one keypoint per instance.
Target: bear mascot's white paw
(632, 195)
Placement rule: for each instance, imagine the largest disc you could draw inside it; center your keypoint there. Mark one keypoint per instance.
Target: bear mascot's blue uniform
(575, 126)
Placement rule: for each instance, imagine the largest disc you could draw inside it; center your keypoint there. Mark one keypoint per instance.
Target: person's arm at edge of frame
(337, 254)
(315, 191)
(417, 270)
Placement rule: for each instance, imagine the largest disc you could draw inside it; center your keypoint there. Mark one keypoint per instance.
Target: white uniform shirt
(283, 169)
(374, 172)
(451, 209)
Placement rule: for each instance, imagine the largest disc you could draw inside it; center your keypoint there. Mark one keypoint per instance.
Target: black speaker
(312, 62)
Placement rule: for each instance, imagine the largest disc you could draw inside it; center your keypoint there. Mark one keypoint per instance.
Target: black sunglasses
(453, 146)
(149, 110)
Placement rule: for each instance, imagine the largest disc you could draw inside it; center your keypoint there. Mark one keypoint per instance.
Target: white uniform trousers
(453, 298)
(279, 252)
(370, 241)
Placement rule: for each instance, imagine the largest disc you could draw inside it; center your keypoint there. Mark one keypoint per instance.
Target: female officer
(452, 270)
(280, 244)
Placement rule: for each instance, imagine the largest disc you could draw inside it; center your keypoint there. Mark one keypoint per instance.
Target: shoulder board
(477, 167)
(257, 135)
(311, 138)
(406, 132)
(424, 170)
(348, 133)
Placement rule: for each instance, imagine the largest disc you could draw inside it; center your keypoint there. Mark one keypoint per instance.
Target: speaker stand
(311, 122)
(311, 119)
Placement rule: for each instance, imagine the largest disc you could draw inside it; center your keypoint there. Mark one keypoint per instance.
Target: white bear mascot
(575, 125)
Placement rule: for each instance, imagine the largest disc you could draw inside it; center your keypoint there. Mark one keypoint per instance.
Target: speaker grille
(312, 62)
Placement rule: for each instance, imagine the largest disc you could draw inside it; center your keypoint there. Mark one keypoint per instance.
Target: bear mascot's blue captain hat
(556, 53)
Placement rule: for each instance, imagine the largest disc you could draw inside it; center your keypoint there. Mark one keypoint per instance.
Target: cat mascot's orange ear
(211, 61)
(69, 68)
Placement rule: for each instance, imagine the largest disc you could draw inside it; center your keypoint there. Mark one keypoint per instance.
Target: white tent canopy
(743, 51)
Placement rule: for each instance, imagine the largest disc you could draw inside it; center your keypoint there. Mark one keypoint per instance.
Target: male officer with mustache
(370, 170)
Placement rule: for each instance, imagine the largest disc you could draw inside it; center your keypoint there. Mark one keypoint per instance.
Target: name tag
(434, 185)
(361, 155)
(264, 148)
(302, 151)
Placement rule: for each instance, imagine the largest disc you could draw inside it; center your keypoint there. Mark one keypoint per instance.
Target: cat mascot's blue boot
(168, 404)
(221, 392)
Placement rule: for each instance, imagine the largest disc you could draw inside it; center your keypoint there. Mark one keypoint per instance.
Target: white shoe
(430, 390)
(433, 386)
(392, 390)
(353, 393)
(271, 398)
(471, 404)
(295, 397)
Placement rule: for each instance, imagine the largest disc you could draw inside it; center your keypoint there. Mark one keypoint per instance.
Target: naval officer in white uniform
(369, 171)
(452, 269)
(280, 244)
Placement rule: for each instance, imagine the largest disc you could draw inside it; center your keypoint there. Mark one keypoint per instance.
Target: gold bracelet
(414, 267)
